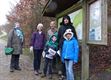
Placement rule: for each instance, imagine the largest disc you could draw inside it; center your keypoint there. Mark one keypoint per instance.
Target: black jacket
(62, 30)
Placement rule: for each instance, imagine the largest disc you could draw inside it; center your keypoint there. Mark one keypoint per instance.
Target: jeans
(37, 59)
(14, 61)
(48, 66)
(69, 69)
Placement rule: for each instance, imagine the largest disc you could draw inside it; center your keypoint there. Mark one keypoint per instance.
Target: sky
(5, 7)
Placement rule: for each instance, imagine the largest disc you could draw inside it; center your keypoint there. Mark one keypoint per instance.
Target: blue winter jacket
(70, 50)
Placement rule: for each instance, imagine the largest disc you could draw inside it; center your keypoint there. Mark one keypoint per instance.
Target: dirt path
(25, 64)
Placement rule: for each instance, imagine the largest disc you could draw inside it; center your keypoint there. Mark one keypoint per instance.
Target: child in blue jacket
(69, 53)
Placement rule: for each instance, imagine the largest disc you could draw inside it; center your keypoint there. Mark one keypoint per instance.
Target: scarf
(19, 33)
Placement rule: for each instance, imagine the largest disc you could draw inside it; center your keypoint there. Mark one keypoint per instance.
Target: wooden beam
(71, 9)
(85, 47)
(47, 4)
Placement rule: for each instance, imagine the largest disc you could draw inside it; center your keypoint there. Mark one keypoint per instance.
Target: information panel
(95, 21)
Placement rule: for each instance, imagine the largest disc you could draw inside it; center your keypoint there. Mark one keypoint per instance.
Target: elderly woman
(15, 40)
(37, 45)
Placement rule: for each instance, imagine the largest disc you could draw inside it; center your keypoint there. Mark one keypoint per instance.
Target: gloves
(31, 49)
(43, 54)
(58, 52)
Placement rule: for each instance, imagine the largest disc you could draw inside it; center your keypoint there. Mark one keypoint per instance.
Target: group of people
(61, 44)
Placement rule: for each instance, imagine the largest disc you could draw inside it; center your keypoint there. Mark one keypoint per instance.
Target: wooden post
(85, 47)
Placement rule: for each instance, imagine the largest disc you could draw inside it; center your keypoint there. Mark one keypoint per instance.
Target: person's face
(54, 38)
(52, 24)
(68, 36)
(66, 21)
(39, 28)
(17, 24)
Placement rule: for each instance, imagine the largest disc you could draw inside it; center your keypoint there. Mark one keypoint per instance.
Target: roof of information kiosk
(54, 7)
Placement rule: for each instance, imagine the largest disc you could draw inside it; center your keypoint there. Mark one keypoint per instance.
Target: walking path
(27, 69)
(25, 64)
(3, 34)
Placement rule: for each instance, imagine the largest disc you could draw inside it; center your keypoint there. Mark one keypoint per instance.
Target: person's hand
(58, 52)
(43, 54)
(31, 49)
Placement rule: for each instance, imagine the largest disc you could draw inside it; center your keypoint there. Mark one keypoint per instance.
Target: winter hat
(66, 17)
(68, 31)
(40, 25)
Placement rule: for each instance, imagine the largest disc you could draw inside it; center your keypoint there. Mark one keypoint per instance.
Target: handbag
(8, 51)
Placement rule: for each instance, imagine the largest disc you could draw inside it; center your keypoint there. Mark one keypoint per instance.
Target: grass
(26, 52)
(108, 70)
(4, 38)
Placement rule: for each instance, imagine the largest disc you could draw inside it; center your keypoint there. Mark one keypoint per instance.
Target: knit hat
(40, 25)
(68, 31)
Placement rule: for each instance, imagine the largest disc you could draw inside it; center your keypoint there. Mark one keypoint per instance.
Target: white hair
(40, 25)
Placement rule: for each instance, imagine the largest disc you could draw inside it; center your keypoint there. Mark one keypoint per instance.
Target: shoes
(44, 75)
(36, 73)
(11, 69)
(50, 76)
(59, 73)
(19, 69)
(62, 77)
(39, 72)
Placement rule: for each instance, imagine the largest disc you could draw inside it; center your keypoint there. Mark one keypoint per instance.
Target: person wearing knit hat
(68, 31)
(37, 44)
(70, 52)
